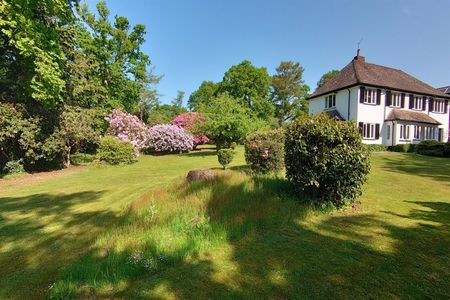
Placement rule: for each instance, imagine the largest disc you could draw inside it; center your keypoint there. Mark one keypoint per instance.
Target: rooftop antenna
(359, 43)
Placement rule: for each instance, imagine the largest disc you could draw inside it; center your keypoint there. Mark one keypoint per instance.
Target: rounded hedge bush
(169, 139)
(13, 167)
(326, 159)
(113, 151)
(225, 156)
(264, 151)
(431, 148)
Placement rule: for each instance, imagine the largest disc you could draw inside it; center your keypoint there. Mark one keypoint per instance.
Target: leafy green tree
(288, 91)
(178, 100)
(202, 95)
(31, 53)
(250, 85)
(325, 77)
(113, 57)
(227, 120)
(163, 114)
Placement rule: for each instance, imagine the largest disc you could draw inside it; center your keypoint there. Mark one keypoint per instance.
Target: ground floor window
(417, 132)
(388, 132)
(404, 132)
(368, 131)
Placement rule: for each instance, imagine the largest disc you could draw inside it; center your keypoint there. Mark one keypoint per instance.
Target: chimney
(359, 57)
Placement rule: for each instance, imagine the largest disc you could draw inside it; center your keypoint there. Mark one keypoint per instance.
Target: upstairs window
(396, 100)
(330, 101)
(417, 102)
(370, 96)
(438, 106)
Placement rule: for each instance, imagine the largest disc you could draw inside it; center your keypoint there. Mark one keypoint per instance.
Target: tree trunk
(67, 158)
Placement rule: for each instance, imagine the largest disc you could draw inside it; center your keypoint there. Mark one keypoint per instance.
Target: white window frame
(370, 96)
(416, 101)
(330, 99)
(368, 131)
(404, 132)
(418, 132)
(396, 100)
(438, 106)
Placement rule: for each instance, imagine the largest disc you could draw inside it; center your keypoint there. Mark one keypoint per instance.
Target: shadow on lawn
(276, 254)
(41, 233)
(437, 168)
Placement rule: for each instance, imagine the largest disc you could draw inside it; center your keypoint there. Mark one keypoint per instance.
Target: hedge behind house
(326, 159)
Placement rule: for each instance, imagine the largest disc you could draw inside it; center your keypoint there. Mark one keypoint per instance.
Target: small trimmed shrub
(431, 148)
(264, 151)
(326, 159)
(412, 148)
(169, 139)
(115, 152)
(376, 148)
(13, 167)
(400, 148)
(225, 156)
(82, 158)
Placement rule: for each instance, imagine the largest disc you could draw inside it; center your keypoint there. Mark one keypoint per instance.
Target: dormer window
(330, 101)
(417, 102)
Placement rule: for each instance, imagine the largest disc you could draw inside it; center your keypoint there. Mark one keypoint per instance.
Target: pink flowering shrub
(128, 128)
(169, 139)
(190, 122)
(264, 151)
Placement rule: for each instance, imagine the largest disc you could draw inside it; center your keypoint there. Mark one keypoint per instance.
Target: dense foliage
(168, 139)
(115, 152)
(288, 92)
(225, 157)
(227, 120)
(264, 151)
(434, 148)
(376, 147)
(326, 77)
(192, 122)
(203, 95)
(326, 159)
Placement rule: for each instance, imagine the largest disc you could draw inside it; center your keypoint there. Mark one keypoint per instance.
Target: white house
(389, 106)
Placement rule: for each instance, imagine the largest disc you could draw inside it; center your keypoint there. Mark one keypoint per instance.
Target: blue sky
(194, 40)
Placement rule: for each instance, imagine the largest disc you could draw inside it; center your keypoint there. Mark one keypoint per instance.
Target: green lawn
(236, 238)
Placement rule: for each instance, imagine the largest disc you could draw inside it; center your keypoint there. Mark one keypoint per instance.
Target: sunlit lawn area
(236, 238)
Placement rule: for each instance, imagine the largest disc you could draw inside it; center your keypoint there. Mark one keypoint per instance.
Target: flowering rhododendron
(189, 122)
(169, 139)
(128, 128)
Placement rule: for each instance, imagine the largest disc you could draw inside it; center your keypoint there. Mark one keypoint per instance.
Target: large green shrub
(399, 148)
(225, 156)
(325, 159)
(431, 148)
(115, 152)
(264, 151)
(82, 158)
(447, 149)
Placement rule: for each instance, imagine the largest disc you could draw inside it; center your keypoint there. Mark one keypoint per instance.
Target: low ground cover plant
(326, 159)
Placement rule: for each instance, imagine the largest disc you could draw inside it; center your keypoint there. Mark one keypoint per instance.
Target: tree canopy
(325, 77)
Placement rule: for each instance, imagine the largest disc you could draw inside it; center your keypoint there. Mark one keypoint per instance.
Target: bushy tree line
(62, 69)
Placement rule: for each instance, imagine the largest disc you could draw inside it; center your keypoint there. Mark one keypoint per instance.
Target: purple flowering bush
(168, 139)
(128, 128)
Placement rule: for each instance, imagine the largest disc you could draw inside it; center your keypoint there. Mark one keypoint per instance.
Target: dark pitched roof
(334, 114)
(445, 89)
(359, 72)
(411, 116)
